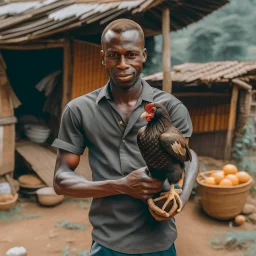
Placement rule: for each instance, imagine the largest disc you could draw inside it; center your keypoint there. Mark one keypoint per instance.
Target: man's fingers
(174, 208)
(157, 217)
(149, 184)
(156, 209)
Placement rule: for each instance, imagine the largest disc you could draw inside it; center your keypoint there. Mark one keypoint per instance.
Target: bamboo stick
(166, 53)
(67, 73)
(242, 84)
(231, 121)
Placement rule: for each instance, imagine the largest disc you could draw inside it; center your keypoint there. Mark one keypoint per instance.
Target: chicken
(164, 150)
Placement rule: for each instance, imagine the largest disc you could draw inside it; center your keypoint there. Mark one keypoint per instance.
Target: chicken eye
(153, 110)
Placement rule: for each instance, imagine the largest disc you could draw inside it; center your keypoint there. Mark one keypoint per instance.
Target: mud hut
(59, 41)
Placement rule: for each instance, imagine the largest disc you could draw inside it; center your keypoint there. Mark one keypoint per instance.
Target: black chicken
(164, 150)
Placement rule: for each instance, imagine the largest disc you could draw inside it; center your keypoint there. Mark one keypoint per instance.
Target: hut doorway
(36, 78)
(25, 70)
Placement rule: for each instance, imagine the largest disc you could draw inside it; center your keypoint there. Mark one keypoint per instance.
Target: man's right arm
(137, 184)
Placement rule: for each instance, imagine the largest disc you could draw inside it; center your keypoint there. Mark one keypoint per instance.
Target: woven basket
(6, 206)
(220, 202)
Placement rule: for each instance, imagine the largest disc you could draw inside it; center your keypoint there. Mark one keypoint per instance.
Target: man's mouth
(124, 77)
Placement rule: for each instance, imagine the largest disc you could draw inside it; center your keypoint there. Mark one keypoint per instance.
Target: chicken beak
(145, 114)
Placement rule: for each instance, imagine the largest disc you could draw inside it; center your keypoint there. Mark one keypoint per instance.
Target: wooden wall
(88, 72)
(209, 115)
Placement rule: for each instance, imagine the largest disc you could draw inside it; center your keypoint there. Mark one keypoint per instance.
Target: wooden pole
(231, 121)
(242, 84)
(67, 72)
(166, 51)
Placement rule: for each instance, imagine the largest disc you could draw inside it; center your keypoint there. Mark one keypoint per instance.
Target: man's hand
(139, 185)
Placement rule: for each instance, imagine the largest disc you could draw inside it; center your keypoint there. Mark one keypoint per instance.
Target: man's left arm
(181, 120)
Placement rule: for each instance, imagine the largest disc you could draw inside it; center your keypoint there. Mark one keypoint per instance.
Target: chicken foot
(172, 195)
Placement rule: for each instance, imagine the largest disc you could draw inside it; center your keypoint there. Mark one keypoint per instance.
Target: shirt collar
(146, 94)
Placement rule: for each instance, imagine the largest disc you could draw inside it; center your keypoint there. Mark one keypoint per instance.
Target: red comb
(149, 106)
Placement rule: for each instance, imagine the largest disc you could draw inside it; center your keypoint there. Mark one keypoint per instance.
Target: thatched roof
(21, 21)
(209, 72)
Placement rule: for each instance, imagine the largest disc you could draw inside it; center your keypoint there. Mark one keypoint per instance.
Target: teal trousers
(99, 250)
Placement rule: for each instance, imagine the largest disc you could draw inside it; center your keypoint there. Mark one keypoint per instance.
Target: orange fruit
(226, 183)
(229, 169)
(239, 220)
(233, 179)
(243, 177)
(210, 181)
(218, 175)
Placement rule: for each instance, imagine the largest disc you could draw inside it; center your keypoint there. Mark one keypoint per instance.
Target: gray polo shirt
(121, 223)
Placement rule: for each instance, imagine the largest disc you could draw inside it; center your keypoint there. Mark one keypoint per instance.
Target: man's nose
(122, 63)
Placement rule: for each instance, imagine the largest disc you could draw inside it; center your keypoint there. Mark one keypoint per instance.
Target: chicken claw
(172, 195)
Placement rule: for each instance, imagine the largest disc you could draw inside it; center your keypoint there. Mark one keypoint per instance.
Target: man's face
(123, 54)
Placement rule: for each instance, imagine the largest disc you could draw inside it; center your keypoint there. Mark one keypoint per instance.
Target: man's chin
(124, 84)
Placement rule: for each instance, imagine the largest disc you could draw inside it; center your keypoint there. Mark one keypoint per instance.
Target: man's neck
(125, 96)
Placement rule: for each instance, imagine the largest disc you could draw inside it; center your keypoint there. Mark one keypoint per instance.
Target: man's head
(123, 52)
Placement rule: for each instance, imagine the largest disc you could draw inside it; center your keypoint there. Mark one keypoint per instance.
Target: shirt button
(121, 122)
(123, 141)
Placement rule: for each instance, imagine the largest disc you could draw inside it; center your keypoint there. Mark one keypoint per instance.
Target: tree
(229, 50)
(201, 43)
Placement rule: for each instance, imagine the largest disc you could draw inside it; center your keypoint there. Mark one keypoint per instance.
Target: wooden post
(231, 121)
(67, 72)
(166, 51)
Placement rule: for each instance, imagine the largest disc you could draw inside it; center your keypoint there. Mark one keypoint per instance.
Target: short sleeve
(181, 119)
(71, 136)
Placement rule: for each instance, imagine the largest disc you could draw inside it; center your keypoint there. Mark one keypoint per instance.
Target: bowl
(219, 202)
(30, 181)
(37, 127)
(37, 133)
(47, 196)
(5, 206)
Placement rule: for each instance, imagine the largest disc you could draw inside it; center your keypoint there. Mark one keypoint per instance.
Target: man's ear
(144, 55)
(102, 53)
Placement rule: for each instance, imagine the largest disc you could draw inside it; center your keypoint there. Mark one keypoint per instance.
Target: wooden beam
(8, 120)
(67, 72)
(200, 94)
(242, 84)
(231, 121)
(35, 46)
(166, 52)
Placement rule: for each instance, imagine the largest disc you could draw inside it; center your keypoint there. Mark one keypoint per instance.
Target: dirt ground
(34, 227)
(41, 237)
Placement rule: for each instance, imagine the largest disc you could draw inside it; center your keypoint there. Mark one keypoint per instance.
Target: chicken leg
(172, 195)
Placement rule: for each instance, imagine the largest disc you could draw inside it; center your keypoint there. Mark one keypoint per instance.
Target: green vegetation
(244, 147)
(84, 203)
(226, 34)
(69, 225)
(16, 214)
(244, 240)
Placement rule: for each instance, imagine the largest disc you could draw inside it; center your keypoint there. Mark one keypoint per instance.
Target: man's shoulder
(167, 99)
(85, 100)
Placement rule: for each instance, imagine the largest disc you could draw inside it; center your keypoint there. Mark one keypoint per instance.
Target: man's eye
(112, 55)
(131, 54)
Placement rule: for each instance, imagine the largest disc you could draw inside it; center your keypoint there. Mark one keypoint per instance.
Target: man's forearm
(69, 183)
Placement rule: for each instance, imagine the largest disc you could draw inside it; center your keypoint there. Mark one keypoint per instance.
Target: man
(106, 121)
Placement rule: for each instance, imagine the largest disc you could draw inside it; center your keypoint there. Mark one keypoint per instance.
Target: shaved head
(121, 25)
